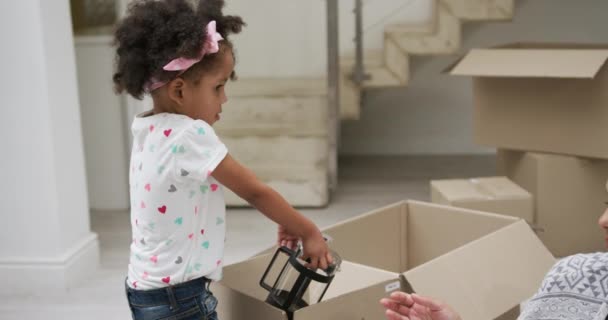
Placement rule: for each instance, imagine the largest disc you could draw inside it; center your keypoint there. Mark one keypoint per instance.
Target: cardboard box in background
(569, 195)
(482, 264)
(540, 97)
(489, 194)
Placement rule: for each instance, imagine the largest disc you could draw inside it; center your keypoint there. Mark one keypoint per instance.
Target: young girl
(182, 57)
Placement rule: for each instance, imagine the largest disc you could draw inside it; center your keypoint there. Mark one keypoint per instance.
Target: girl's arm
(246, 185)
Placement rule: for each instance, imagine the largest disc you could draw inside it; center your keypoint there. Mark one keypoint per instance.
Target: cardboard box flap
(237, 305)
(534, 63)
(241, 283)
(352, 277)
(488, 276)
(433, 230)
(239, 277)
(359, 238)
(359, 304)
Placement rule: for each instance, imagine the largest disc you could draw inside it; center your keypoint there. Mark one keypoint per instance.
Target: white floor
(365, 183)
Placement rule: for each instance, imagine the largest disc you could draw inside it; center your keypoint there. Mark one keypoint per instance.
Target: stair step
(393, 72)
(295, 167)
(350, 93)
(272, 87)
(259, 151)
(381, 75)
(350, 98)
(421, 29)
(278, 128)
(311, 192)
(396, 60)
(378, 77)
(446, 39)
(481, 10)
(300, 186)
(371, 58)
(274, 115)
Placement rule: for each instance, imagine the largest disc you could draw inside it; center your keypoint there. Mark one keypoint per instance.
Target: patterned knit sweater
(576, 288)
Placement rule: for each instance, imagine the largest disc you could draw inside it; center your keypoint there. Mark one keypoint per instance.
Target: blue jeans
(185, 301)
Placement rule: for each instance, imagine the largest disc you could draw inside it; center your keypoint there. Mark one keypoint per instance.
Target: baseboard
(32, 276)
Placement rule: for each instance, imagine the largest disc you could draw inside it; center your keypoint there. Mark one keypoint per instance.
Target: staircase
(279, 127)
(390, 67)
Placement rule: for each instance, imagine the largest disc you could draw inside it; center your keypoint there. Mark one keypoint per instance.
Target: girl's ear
(175, 90)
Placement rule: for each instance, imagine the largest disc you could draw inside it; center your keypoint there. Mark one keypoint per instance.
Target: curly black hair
(155, 32)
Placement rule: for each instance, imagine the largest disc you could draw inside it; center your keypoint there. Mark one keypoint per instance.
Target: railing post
(333, 91)
(358, 75)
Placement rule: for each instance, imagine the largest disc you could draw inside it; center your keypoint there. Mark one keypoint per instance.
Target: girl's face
(603, 222)
(203, 100)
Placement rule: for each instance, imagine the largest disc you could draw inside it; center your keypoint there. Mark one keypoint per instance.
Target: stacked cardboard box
(570, 194)
(550, 102)
(482, 264)
(490, 194)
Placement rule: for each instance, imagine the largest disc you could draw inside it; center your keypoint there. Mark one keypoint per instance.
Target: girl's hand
(403, 306)
(315, 249)
(285, 239)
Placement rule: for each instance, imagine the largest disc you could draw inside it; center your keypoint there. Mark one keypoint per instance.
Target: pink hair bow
(211, 45)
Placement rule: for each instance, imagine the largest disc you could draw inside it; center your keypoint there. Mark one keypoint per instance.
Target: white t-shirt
(177, 208)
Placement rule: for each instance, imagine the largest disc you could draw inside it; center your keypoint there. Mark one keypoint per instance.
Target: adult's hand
(403, 306)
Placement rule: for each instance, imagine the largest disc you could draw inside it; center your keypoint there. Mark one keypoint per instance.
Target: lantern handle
(287, 251)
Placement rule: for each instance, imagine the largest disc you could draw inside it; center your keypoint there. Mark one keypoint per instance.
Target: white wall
(27, 131)
(62, 97)
(42, 164)
(43, 194)
(288, 38)
(433, 114)
(103, 123)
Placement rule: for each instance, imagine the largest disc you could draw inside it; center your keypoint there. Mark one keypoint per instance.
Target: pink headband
(211, 45)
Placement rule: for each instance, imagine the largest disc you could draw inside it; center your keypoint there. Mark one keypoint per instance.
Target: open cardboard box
(480, 263)
(540, 97)
(353, 293)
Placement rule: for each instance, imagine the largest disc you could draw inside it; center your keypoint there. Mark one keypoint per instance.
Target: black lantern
(291, 290)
